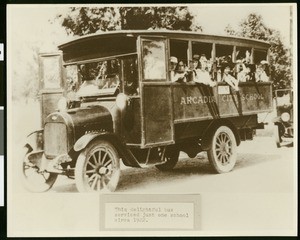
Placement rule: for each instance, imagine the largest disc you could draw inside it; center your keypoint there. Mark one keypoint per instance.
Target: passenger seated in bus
(202, 74)
(229, 79)
(266, 67)
(102, 73)
(243, 72)
(111, 82)
(260, 74)
(113, 67)
(193, 68)
(209, 65)
(108, 74)
(102, 66)
(173, 65)
(219, 73)
(87, 73)
(181, 72)
(247, 59)
(81, 72)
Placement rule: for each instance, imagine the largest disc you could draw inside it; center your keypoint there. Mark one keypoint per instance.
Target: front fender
(83, 141)
(35, 140)
(277, 120)
(126, 155)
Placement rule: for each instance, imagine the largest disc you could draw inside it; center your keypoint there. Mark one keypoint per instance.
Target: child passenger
(260, 74)
(243, 72)
(173, 65)
(201, 73)
(180, 74)
(229, 79)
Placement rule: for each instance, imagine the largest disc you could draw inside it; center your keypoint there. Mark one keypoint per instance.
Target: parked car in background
(283, 123)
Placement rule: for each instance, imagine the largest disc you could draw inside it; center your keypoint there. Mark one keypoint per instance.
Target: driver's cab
(95, 78)
(77, 82)
(102, 78)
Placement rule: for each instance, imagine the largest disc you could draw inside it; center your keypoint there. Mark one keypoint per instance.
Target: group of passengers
(198, 70)
(246, 72)
(201, 70)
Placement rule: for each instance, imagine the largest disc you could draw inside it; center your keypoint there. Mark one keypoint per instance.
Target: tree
(229, 30)
(156, 18)
(86, 20)
(253, 27)
(83, 20)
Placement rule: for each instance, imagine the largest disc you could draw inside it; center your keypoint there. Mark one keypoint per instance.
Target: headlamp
(121, 101)
(285, 116)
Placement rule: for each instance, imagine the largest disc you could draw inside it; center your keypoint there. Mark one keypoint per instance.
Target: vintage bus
(109, 97)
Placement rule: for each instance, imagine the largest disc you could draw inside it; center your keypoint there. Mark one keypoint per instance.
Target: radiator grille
(55, 139)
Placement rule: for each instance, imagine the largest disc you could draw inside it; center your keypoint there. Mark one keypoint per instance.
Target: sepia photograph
(151, 120)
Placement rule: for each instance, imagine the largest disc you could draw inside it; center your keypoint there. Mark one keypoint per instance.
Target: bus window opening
(262, 72)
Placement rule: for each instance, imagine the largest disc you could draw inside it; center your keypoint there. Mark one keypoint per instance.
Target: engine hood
(83, 119)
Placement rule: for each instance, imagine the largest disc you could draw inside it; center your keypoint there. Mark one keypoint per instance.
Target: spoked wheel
(222, 154)
(171, 157)
(33, 179)
(98, 168)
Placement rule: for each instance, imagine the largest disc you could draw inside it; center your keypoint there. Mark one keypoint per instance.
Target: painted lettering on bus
(225, 98)
(244, 97)
(197, 100)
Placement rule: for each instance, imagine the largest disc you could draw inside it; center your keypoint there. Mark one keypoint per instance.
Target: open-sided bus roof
(125, 40)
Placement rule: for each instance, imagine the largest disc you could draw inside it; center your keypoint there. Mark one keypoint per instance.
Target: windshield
(95, 78)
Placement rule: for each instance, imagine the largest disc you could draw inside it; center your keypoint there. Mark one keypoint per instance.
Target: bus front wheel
(33, 179)
(222, 154)
(98, 168)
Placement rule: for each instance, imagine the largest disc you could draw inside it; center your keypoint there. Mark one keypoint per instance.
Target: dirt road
(261, 167)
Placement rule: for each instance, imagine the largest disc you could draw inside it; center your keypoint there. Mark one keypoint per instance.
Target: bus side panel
(194, 102)
(158, 119)
(190, 130)
(131, 122)
(251, 98)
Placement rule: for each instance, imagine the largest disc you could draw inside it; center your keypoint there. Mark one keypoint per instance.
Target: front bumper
(39, 160)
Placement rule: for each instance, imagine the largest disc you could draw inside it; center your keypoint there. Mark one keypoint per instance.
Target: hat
(173, 59)
(203, 58)
(196, 57)
(263, 62)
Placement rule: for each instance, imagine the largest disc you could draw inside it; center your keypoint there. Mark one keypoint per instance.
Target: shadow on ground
(132, 178)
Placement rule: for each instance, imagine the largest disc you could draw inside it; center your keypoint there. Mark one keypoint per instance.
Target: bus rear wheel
(222, 154)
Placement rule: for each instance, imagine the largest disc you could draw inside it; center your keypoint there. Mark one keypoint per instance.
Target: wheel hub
(224, 149)
(103, 170)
